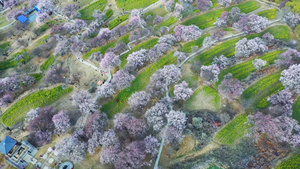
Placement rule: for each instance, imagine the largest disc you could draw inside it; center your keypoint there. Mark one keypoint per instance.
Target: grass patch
(134, 4)
(269, 13)
(39, 99)
(187, 47)
(292, 162)
(47, 63)
(87, 12)
(37, 76)
(296, 110)
(4, 47)
(243, 70)
(170, 21)
(157, 11)
(11, 63)
(114, 23)
(46, 26)
(262, 89)
(209, 18)
(228, 48)
(215, 98)
(141, 81)
(104, 48)
(108, 14)
(144, 45)
(298, 30)
(234, 130)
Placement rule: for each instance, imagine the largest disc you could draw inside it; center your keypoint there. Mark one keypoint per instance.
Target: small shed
(22, 18)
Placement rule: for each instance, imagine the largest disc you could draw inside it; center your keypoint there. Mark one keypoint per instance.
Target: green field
(270, 14)
(103, 49)
(144, 45)
(298, 30)
(140, 83)
(296, 110)
(42, 40)
(87, 12)
(292, 162)
(11, 63)
(4, 47)
(187, 47)
(108, 14)
(262, 89)
(234, 130)
(170, 21)
(243, 70)
(36, 76)
(157, 11)
(228, 48)
(47, 26)
(207, 91)
(117, 21)
(41, 98)
(47, 63)
(134, 4)
(208, 19)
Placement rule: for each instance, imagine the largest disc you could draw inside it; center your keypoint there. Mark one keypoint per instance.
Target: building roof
(7, 144)
(22, 18)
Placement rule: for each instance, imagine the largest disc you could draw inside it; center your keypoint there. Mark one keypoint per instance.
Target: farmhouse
(18, 154)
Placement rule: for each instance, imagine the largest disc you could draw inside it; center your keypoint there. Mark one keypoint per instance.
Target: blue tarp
(7, 144)
(36, 8)
(22, 18)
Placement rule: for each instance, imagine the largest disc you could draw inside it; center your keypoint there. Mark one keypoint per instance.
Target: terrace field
(134, 4)
(270, 13)
(296, 110)
(140, 83)
(208, 19)
(290, 163)
(262, 89)
(47, 63)
(114, 23)
(17, 112)
(87, 12)
(234, 130)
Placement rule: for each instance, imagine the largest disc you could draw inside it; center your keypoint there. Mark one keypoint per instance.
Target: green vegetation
(42, 40)
(4, 21)
(157, 11)
(108, 14)
(46, 26)
(37, 76)
(298, 30)
(295, 4)
(233, 130)
(292, 162)
(41, 98)
(170, 21)
(296, 110)
(134, 4)
(4, 47)
(209, 18)
(215, 3)
(187, 47)
(103, 49)
(228, 48)
(141, 81)
(144, 45)
(87, 12)
(243, 70)
(214, 166)
(262, 89)
(269, 13)
(10, 63)
(208, 91)
(117, 21)
(47, 63)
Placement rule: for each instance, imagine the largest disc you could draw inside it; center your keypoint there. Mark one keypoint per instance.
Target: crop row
(134, 4)
(140, 83)
(39, 99)
(208, 19)
(243, 70)
(233, 130)
(47, 63)
(104, 48)
(269, 13)
(170, 21)
(117, 21)
(187, 47)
